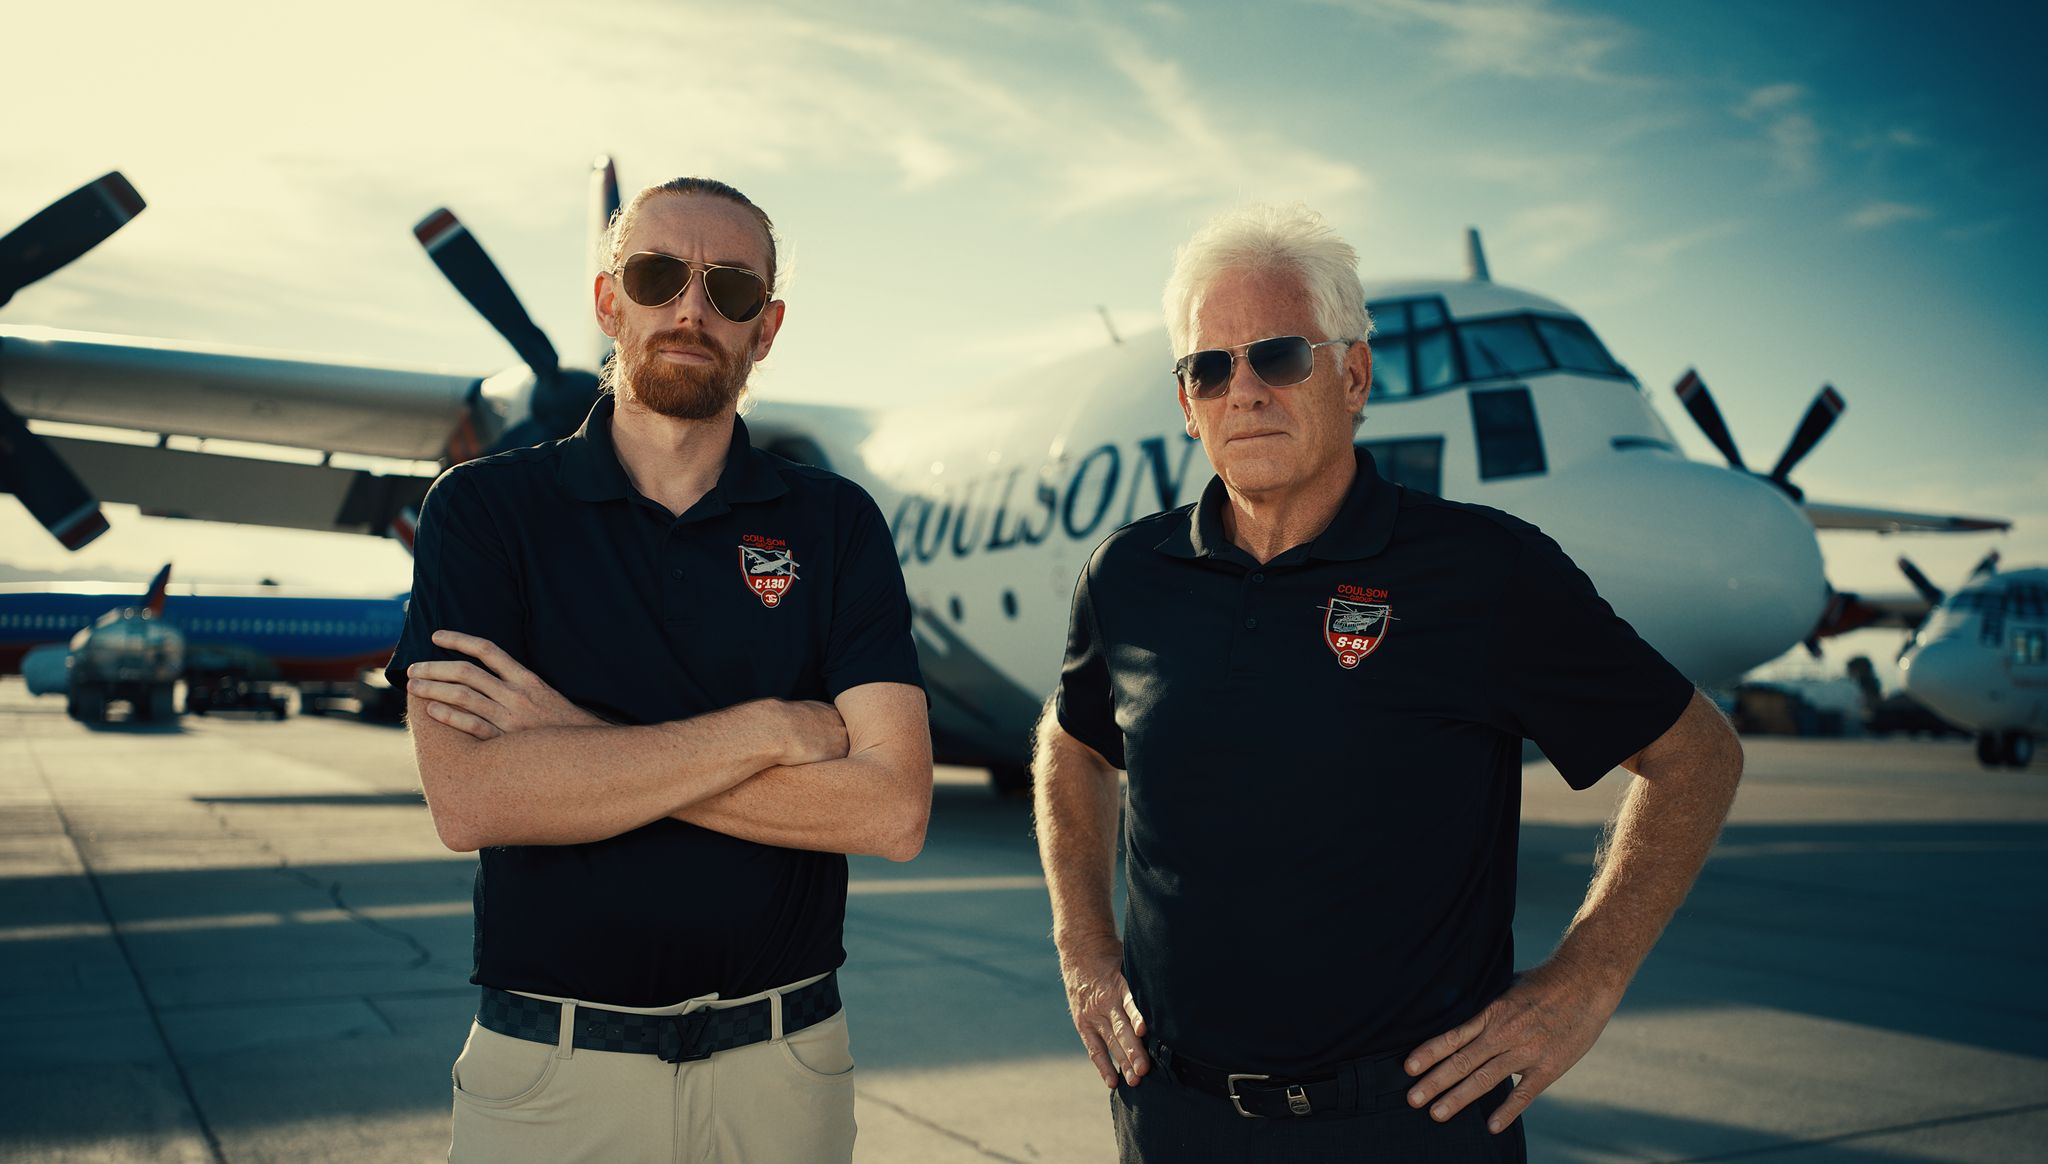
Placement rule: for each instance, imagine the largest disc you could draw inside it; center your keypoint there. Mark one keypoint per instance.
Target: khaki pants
(787, 1099)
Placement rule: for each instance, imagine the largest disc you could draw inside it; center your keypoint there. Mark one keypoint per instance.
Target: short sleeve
(462, 580)
(870, 637)
(1084, 704)
(1569, 673)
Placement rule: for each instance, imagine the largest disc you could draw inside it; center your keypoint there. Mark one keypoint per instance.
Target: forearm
(1075, 795)
(1649, 858)
(570, 785)
(868, 804)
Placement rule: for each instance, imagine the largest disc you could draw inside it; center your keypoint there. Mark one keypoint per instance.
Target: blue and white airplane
(1483, 393)
(291, 638)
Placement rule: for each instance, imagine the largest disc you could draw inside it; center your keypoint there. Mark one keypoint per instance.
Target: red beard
(685, 391)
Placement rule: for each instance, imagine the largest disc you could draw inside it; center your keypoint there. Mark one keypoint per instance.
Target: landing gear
(2005, 749)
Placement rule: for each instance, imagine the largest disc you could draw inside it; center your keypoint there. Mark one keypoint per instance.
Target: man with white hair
(663, 681)
(1318, 683)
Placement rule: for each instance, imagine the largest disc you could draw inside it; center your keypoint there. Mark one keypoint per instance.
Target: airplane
(269, 635)
(1981, 659)
(1483, 393)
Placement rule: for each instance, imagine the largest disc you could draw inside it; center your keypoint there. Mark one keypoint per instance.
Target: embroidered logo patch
(767, 568)
(1355, 627)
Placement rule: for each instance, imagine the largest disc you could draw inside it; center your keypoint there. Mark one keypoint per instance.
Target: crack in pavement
(420, 954)
(1863, 1134)
(959, 1137)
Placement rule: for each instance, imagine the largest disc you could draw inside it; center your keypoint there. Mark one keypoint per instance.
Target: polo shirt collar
(1363, 525)
(590, 468)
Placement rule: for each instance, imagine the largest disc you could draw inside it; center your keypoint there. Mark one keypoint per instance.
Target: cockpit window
(1575, 348)
(1418, 350)
(1502, 347)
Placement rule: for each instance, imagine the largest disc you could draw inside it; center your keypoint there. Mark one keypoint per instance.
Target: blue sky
(1783, 195)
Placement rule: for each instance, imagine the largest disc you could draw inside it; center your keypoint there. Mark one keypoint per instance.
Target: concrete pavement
(239, 940)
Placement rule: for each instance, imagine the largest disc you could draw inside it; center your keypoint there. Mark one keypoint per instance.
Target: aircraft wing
(187, 389)
(1826, 516)
(320, 408)
(1862, 611)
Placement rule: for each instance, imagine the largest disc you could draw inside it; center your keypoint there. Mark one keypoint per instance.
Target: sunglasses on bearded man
(1279, 361)
(653, 279)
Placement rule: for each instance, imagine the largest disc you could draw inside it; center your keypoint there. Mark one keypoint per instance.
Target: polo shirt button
(676, 574)
(1258, 577)
(1251, 624)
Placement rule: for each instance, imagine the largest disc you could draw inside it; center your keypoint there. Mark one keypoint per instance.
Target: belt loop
(775, 1014)
(565, 1042)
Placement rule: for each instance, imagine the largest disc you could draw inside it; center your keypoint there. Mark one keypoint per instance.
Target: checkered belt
(676, 1038)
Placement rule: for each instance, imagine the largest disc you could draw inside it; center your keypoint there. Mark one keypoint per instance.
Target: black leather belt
(676, 1038)
(1361, 1086)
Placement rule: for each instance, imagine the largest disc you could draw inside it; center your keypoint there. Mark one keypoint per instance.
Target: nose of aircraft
(1942, 674)
(1718, 570)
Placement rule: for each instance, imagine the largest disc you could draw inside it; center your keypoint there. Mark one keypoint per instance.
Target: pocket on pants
(823, 1050)
(497, 1070)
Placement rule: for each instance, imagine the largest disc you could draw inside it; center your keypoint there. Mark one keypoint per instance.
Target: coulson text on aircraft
(1482, 393)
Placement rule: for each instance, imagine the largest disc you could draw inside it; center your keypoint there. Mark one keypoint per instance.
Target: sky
(1780, 195)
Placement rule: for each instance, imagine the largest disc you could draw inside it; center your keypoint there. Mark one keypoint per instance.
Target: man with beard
(663, 681)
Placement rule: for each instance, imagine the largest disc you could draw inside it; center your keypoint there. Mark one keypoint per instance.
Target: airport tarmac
(239, 940)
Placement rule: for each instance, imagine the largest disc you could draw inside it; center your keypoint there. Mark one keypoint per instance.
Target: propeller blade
(64, 230)
(1988, 566)
(463, 260)
(1928, 590)
(1692, 392)
(31, 470)
(604, 203)
(1820, 416)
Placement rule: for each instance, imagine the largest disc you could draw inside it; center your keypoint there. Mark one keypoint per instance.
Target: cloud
(1662, 250)
(1152, 157)
(1542, 237)
(1509, 38)
(1794, 137)
(1878, 215)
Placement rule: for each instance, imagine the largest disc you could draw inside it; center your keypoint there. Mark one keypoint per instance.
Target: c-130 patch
(1355, 623)
(767, 568)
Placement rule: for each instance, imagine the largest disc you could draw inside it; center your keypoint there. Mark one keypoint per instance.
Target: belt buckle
(680, 1038)
(1237, 1102)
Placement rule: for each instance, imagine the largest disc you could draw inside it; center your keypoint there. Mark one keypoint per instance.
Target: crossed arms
(505, 759)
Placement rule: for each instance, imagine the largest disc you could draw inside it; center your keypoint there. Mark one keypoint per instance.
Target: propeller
(29, 467)
(1987, 567)
(604, 203)
(1821, 415)
(1928, 590)
(561, 396)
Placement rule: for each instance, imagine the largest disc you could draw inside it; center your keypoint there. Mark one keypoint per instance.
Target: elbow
(457, 838)
(906, 839)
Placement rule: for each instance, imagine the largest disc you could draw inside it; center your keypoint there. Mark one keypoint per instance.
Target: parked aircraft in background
(1483, 393)
(1981, 659)
(278, 636)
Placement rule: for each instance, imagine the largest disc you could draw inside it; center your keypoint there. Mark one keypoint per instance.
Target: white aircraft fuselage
(995, 504)
(1981, 660)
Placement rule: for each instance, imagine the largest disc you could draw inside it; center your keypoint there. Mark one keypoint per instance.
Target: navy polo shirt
(1325, 760)
(781, 582)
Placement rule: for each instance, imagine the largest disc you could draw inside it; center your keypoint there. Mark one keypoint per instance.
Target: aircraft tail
(153, 602)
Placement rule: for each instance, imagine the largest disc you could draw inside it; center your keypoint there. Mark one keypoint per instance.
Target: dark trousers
(1162, 1122)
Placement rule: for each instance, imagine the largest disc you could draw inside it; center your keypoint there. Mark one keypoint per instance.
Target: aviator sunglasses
(652, 279)
(1280, 361)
